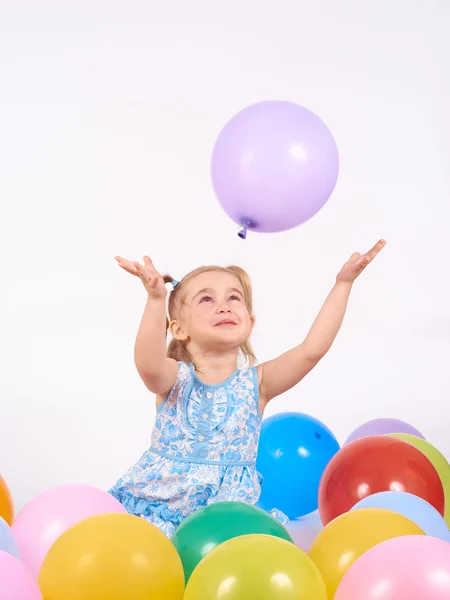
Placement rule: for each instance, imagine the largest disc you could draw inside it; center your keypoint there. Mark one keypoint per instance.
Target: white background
(108, 114)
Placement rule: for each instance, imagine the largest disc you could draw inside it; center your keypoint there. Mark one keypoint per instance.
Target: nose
(223, 308)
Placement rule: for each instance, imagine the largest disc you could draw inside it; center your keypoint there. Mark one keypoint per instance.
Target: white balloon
(304, 530)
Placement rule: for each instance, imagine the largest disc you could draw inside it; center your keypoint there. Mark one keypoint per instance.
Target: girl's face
(214, 315)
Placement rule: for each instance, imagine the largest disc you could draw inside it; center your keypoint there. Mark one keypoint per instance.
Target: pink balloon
(46, 517)
(16, 581)
(412, 567)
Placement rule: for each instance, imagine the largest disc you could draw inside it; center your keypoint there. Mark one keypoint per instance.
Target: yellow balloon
(112, 557)
(350, 535)
(439, 462)
(256, 567)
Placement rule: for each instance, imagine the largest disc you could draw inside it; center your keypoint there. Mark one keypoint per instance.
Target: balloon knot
(242, 233)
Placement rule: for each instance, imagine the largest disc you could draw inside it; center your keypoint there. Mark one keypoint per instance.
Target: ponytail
(178, 351)
(176, 348)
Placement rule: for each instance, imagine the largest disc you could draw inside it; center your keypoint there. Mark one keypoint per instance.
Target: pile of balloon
(368, 520)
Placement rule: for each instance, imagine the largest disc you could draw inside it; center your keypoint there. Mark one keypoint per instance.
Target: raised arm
(158, 372)
(281, 374)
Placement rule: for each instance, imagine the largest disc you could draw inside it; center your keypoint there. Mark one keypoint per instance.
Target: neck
(214, 368)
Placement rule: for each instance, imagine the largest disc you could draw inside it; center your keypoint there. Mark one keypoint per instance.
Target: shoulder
(247, 377)
(184, 374)
(245, 389)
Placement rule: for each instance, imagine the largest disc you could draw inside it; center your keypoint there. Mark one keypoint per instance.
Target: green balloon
(216, 523)
(439, 462)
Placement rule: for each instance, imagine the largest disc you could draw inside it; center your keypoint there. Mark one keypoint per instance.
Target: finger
(376, 249)
(380, 245)
(138, 268)
(148, 262)
(149, 265)
(355, 255)
(121, 260)
(362, 262)
(128, 266)
(145, 275)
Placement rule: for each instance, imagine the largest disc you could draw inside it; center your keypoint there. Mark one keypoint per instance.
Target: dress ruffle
(161, 515)
(148, 510)
(279, 516)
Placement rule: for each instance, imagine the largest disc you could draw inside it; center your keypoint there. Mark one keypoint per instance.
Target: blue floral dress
(203, 450)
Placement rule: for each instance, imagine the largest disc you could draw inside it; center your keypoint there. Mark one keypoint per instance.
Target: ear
(177, 332)
(253, 320)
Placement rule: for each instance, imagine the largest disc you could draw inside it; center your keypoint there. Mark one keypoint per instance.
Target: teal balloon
(216, 523)
(8, 542)
(416, 509)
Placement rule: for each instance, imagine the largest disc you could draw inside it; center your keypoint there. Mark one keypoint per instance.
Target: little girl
(209, 412)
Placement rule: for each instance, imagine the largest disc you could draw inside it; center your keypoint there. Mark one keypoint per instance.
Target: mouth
(225, 323)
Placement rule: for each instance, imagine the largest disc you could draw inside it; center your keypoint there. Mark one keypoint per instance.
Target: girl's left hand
(358, 262)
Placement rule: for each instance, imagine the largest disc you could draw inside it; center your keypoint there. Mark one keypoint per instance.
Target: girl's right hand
(151, 279)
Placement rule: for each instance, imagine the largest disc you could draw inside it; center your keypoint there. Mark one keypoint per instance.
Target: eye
(235, 297)
(205, 299)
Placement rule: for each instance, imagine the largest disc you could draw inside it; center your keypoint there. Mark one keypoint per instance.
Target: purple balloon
(381, 427)
(274, 165)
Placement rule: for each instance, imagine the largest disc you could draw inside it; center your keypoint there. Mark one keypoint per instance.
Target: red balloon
(377, 464)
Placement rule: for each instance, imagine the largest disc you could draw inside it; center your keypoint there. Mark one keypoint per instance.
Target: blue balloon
(413, 508)
(293, 451)
(8, 542)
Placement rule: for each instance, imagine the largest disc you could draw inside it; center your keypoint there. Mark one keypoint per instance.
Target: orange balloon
(6, 502)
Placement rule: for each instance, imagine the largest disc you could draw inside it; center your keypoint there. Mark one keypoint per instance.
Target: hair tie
(174, 282)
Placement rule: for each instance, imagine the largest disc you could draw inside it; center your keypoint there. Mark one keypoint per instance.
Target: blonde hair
(177, 348)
